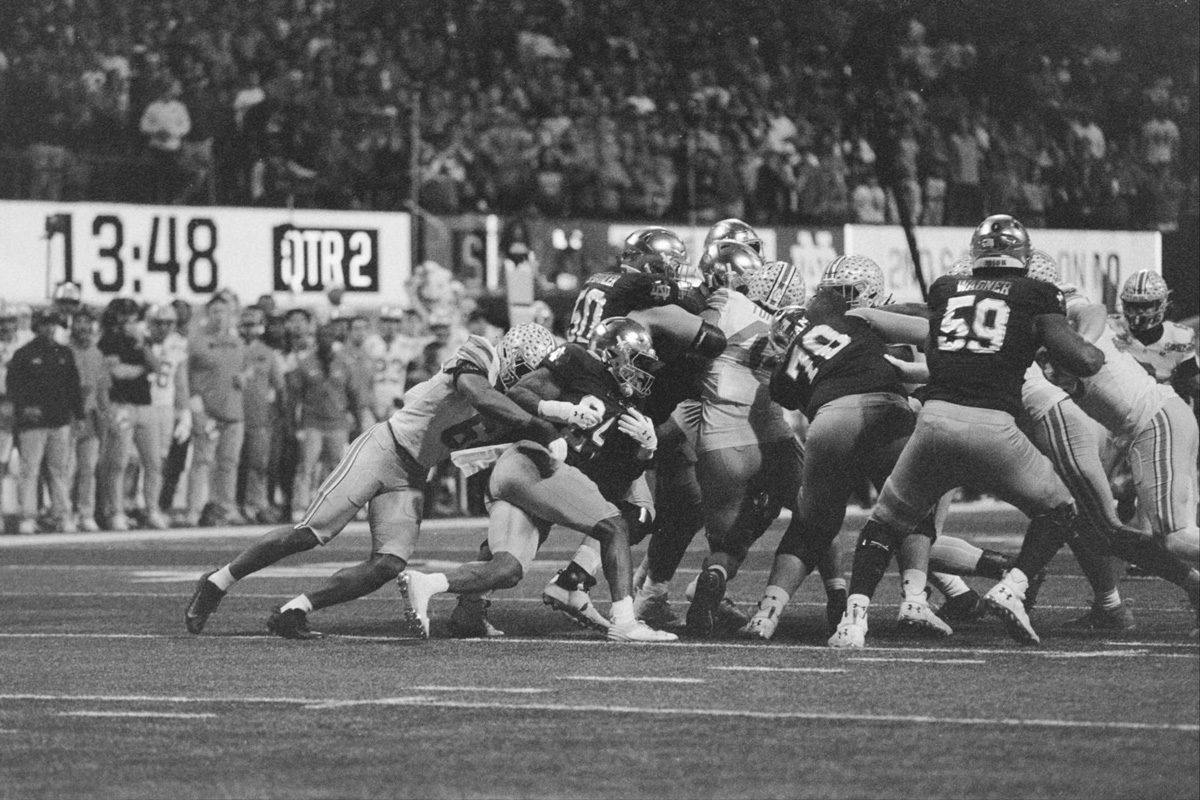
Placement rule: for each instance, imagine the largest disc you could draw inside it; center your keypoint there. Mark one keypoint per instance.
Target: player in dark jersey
(613, 374)
(983, 333)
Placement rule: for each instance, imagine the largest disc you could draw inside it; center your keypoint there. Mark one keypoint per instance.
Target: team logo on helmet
(858, 279)
(1144, 300)
(1043, 268)
(726, 264)
(522, 349)
(654, 250)
(625, 348)
(1000, 242)
(738, 231)
(776, 285)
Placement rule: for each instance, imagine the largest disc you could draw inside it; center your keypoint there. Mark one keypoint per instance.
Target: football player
(613, 375)
(1167, 350)
(386, 467)
(983, 334)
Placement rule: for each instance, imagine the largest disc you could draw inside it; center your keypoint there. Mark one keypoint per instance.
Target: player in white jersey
(391, 352)
(748, 461)
(385, 467)
(1167, 350)
(169, 390)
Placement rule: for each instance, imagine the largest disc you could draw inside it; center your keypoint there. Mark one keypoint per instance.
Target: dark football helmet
(726, 264)
(522, 349)
(626, 349)
(654, 250)
(786, 325)
(1000, 242)
(738, 231)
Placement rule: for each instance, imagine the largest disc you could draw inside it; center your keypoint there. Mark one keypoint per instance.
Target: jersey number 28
(978, 324)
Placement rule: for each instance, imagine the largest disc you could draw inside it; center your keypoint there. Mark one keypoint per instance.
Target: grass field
(104, 694)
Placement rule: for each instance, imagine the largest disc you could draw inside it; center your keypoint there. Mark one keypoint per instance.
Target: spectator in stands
(165, 123)
(43, 386)
(131, 424)
(217, 374)
(870, 201)
(8, 346)
(964, 195)
(262, 398)
(93, 385)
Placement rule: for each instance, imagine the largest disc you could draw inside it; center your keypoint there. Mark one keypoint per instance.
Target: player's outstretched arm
(494, 405)
(1088, 319)
(1067, 350)
(683, 327)
(895, 328)
(538, 394)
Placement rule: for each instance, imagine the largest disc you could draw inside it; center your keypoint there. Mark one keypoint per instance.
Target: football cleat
(416, 589)
(1117, 619)
(291, 624)
(918, 617)
(730, 617)
(576, 604)
(835, 607)
(851, 633)
(638, 631)
(963, 607)
(204, 602)
(761, 626)
(654, 609)
(702, 613)
(469, 619)
(1004, 602)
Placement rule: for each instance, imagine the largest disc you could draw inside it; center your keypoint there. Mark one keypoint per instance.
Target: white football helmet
(775, 285)
(1043, 268)
(522, 349)
(961, 268)
(857, 278)
(1144, 300)
(625, 347)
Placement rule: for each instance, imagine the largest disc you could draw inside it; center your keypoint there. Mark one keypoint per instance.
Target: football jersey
(981, 338)
(172, 353)
(603, 452)
(1176, 345)
(435, 406)
(613, 294)
(735, 405)
(832, 357)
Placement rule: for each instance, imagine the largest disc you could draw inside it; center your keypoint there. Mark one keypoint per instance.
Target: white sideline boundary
(576, 709)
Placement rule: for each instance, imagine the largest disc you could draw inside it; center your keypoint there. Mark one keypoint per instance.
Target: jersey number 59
(977, 323)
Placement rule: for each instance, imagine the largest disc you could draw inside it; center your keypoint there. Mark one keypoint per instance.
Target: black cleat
(204, 602)
(702, 613)
(835, 607)
(963, 608)
(469, 620)
(291, 624)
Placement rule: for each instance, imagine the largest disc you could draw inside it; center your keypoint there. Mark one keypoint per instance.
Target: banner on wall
(160, 252)
(1098, 262)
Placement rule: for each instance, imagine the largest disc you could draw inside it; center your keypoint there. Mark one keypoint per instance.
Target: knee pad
(638, 518)
(877, 536)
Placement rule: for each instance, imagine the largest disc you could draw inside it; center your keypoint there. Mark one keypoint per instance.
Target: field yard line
(136, 714)
(781, 669)
(923, 660)
(1104, 654)
(574, 708)
(1185, 645)
(624, 679)
(496, 689)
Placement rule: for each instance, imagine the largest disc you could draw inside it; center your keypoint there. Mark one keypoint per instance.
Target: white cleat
(638, 631)
(851, 633)
(416, 588)
(760, 626)
(1009, 605)
(654, 609)
(576, 604)
(917, 616)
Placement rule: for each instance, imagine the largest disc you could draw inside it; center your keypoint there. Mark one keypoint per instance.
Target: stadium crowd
(657, 111)
(207, 414)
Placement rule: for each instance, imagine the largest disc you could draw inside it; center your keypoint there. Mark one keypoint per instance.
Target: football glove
(640, 428)
(582, 415)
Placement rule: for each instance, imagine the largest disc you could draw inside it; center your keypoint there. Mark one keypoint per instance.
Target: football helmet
(1000, 242)
(858, 279)
(522, 349)
(654, 250)
(738, 231)
(625, 348)
(785, 326)
(1144, 300)
(776, 285)
(1043, 268)
(726, 263)
(961, 268)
